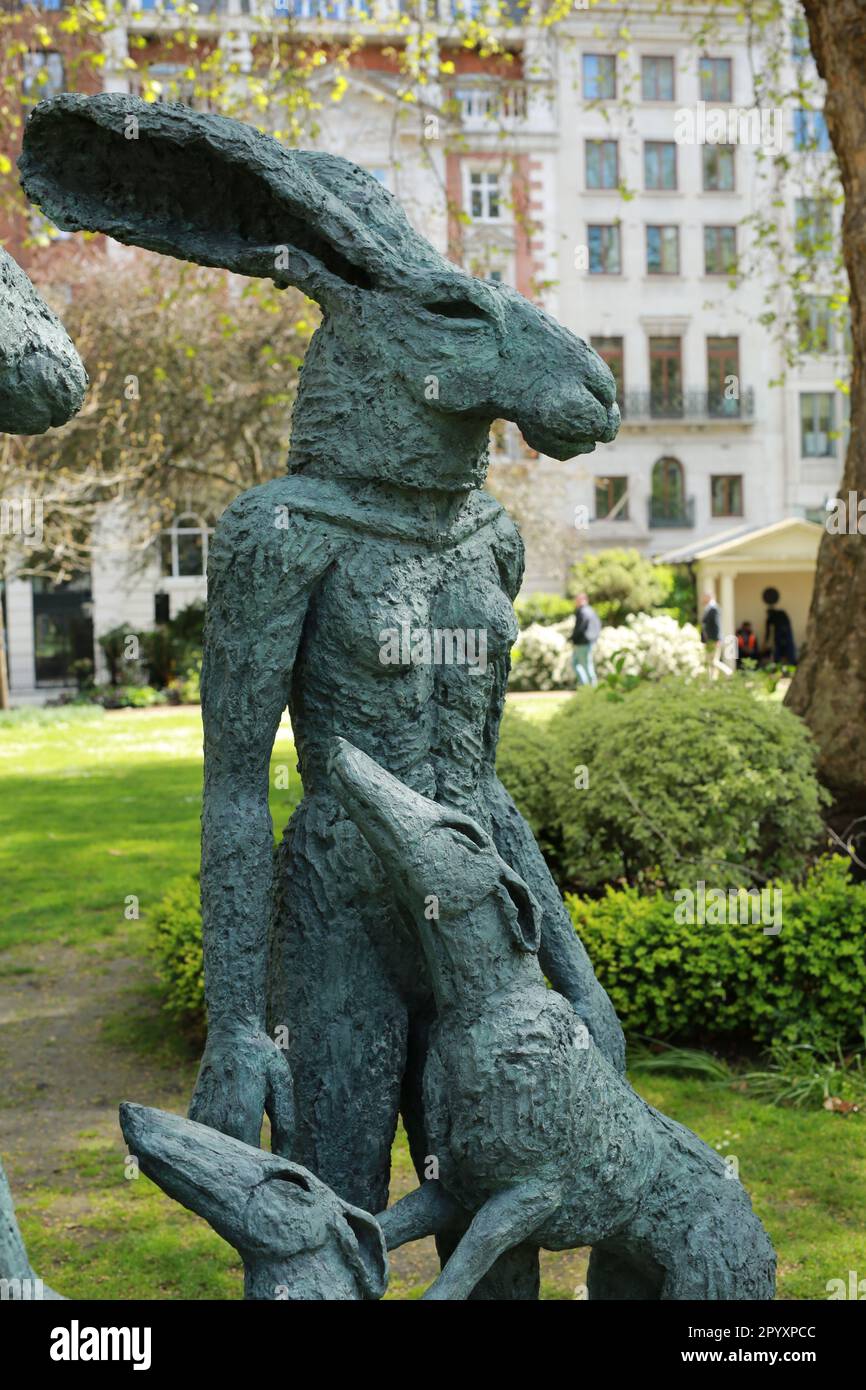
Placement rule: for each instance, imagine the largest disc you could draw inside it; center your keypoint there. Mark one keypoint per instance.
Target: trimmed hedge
(523, 768)
(176, 948)
(684, 983)
(685, 781)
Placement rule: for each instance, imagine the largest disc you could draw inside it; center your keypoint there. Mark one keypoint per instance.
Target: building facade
(615, 185)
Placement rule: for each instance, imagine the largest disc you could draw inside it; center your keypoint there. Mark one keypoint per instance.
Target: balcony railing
(667, 511)
(496, 103)
(687, 405)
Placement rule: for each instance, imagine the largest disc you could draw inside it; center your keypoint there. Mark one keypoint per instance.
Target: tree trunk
(4, 668)
(829, 689)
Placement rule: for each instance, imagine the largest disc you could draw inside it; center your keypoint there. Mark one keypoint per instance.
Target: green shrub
(127, 696)
(685, 781)
(175, 944)
(187, 689)
(543, 608)
(114, 648)
(679, 982)
(620, 582)
(523, 767)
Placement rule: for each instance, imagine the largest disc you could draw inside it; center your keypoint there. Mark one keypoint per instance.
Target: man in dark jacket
(587, 626)
(711, 632)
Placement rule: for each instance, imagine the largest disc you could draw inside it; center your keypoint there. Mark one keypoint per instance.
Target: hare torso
(405, 653)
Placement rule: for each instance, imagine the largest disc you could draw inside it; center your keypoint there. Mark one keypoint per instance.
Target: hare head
(297, 1238)
(414, 358)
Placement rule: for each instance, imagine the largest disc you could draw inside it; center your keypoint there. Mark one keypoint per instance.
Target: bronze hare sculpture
(348, 591)
(380, 526)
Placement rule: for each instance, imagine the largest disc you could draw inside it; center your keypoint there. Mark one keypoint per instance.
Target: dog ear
(526, 919)
(211, 190)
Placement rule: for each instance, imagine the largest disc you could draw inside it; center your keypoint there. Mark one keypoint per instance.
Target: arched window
(184, 547)
(668, 496)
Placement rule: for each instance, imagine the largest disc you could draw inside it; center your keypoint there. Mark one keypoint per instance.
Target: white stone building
(582, 183)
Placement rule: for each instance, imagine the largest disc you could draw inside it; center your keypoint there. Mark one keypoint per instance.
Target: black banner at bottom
(66, 1339)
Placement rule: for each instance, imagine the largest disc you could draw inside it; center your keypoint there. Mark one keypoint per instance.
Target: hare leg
(345, 1021)
(507, 1219)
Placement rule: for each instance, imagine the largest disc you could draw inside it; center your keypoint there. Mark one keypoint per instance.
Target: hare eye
(465, 830)
(457, 309)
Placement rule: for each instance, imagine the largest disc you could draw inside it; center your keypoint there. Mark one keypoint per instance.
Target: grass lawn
(95, 810)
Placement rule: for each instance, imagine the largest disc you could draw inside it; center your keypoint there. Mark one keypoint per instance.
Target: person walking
(778, 634)
(711, 632)
(587, 626)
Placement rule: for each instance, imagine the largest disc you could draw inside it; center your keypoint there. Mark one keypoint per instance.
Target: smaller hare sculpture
(537, 1136)
(297, 1239)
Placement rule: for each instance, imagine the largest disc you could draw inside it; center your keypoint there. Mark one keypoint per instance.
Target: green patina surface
(381, 526)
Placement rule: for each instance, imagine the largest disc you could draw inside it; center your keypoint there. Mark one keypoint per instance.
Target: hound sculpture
(536, 1135)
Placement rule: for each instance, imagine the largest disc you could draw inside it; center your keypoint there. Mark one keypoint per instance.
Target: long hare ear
(208, 189)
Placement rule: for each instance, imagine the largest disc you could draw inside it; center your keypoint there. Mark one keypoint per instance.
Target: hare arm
(260, 578)
(428, 1211)
(507, 1219)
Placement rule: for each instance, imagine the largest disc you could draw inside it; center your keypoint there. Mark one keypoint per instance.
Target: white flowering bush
(652, 646)
(541, 657)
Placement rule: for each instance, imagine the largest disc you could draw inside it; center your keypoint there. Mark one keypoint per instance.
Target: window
(718, 168)
(62, 629)
(602, 164)
(660, 164)
(720, 250)
(484, 196)
(666, 383)
(723, 376)
(611, 499)
(817, 424)
(813, 226)
(668, 494)
(43, 75)
(185, 546)
(599, 76)
(815, 323)
(726, 494)
(604, 250)
(810, 131)
(657, 79)
(610, 350)
(716, 79)
(663, 250)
